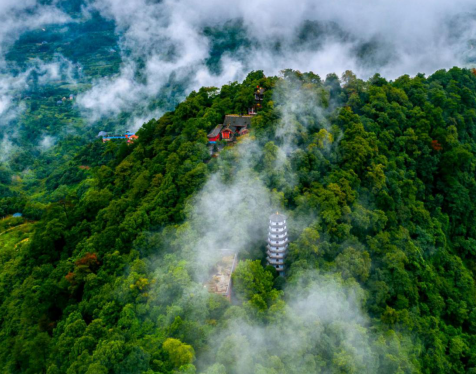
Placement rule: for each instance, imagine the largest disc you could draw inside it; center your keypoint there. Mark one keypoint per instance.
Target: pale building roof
(277, 217)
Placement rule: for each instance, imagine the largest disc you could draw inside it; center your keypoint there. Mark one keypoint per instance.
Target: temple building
(233, 126)
(277, 242)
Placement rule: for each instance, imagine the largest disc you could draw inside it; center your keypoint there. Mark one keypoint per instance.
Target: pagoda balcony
(277, 249)
(278, 246)
(277, 224)
(276, 255)
(277, 229)
(278, 243)
(273, 261)
(274, 236)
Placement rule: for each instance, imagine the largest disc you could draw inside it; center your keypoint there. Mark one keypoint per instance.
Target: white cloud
(410, 36)
(6, 147)
(321, 329)
(17, 17)
(47, 142)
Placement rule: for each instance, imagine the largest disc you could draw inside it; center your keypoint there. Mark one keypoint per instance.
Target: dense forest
(376, 178)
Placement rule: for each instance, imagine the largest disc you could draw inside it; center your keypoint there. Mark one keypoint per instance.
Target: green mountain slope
(377, 179)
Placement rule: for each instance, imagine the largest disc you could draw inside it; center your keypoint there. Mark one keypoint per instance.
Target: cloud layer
(169, 40)
(17, 17)
(321, 330)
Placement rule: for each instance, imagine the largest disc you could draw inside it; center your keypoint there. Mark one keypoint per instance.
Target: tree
(179, 353)
(354, 263)
(250, 278)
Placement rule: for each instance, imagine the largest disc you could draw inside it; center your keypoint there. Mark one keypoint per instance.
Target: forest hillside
(376, 177)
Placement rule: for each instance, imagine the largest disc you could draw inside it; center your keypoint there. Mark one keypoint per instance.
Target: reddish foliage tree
(436, 145)
(84, 266)
(87, 264)
(70, 277)
(88, 260)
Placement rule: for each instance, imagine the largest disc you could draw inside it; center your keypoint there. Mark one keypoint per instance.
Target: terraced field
(14, 233)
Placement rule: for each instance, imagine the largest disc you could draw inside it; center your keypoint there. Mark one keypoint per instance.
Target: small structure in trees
(220, 278)
(259, 96)
(129, 136)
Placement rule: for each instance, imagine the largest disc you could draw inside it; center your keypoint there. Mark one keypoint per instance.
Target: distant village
(60, 102)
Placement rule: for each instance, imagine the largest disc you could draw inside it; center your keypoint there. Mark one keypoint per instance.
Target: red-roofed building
(214, 136)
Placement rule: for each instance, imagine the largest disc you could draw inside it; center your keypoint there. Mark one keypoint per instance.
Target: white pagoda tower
(277, 242)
